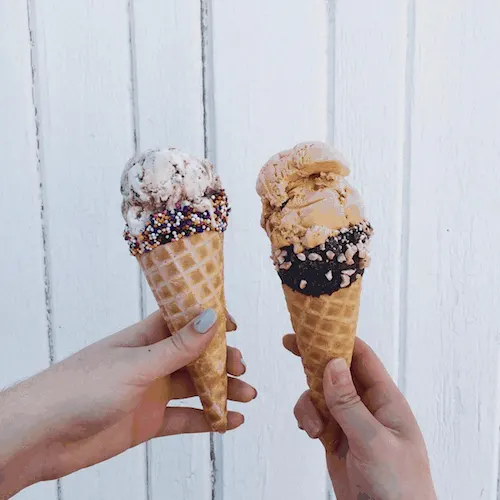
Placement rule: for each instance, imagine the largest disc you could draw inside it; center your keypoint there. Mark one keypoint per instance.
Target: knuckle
(142, 338)
(179, 344)
(347, 398)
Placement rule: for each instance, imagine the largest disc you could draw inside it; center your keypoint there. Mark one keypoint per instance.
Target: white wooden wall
(408, 90)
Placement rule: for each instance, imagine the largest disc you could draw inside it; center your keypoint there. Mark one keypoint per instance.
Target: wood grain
(86, 134)
(452, 334)
(270, 85)
(169, 97)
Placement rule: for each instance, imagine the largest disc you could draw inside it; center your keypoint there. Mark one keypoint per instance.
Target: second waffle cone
(186, 278)
(326, 329)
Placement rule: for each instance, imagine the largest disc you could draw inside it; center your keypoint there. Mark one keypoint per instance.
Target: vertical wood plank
(22, 307)
(169, 74)
(84, 65)
(21, 267)
(369, 67)
(452, 343)
(168, 61)
(270, 83)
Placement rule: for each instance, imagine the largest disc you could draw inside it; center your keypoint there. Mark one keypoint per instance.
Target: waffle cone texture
(186, 278)
(325, 327)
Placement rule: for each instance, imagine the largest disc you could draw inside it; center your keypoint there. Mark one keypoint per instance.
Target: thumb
(175, 352)
(346, 407)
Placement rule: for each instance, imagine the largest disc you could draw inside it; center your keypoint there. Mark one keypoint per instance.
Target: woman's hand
(108, 398)
(380, 452)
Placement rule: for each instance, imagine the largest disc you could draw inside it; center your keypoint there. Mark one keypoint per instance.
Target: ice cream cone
(187, 277)
(320, 248)
(326, 329)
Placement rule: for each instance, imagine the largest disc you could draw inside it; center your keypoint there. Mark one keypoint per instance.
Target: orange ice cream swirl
(305, 197)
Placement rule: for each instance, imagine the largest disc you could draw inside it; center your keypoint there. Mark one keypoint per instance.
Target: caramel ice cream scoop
(305, 196)
(314, 218)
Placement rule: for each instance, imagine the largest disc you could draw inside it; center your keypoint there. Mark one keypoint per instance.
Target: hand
(110, 397)
(380, 452)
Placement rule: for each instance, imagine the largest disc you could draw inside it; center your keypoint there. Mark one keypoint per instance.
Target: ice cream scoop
(161, 179)
(305, 196)
(176, 213)
(314, 218)
(169, 195)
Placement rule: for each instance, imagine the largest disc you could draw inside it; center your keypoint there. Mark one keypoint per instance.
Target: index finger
(381, 394)
(368, 368)
(151, 330)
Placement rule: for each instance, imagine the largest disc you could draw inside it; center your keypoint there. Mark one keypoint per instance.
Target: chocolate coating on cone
(327, 268)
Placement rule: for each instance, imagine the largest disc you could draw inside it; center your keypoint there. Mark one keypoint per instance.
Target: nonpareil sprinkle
(160, 230)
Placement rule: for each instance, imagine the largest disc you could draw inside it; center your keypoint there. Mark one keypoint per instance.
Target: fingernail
(337, 369)
(205, 321)
(242, 361)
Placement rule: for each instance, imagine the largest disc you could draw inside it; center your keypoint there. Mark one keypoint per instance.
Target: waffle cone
(326, 329)
(186, 278)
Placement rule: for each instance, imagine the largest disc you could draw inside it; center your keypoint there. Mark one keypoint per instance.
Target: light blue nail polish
(242, 361)
(205, 321)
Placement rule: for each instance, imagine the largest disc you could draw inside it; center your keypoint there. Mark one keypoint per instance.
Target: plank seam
(216, 443)
(331, 125)
(495, 490)
(39, 161)
(207, 80)
(496, 459)
(148, 460)
(133, 74)
(135, 121)
(405, 198)
(35, 98)
(136, 145)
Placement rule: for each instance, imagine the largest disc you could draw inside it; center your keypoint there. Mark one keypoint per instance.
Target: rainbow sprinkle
(181, 222)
